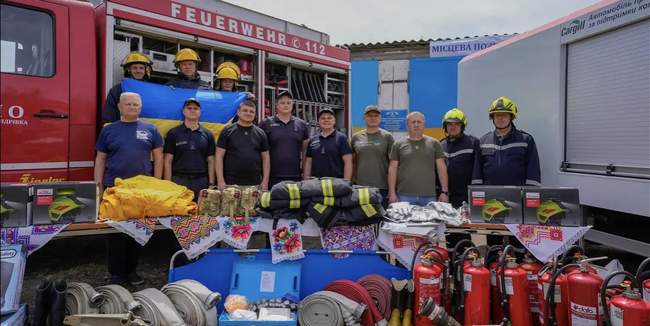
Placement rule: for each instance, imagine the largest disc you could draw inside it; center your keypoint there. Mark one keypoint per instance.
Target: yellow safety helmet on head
(136, 57)
(186, 54)
(228, 70)
(454, 115)
(505, 105)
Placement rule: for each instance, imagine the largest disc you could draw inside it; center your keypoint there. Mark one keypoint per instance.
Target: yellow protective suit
(143, 196)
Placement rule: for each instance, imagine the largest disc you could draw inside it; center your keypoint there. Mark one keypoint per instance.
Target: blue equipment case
(320, 267)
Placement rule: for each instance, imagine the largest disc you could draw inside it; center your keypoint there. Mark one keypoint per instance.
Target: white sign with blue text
(463, 47)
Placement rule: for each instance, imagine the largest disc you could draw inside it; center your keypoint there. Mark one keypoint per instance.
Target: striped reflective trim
(81, 164)
(460, 152)
(477, 181)
(364, 196)
(294, 195)
(265, 200)
(328, 192)
(329, 201)
(368, 210)
(533, 183)
(33, 166)
(504, 147)
(46, 165)
(320, 207)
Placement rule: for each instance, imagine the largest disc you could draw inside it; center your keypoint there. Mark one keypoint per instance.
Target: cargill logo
(575, 26)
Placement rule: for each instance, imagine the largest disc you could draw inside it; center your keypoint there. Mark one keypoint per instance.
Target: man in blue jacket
(508, 156)
(459, 149)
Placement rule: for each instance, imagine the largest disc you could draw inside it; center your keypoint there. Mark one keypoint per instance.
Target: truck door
(34, 84)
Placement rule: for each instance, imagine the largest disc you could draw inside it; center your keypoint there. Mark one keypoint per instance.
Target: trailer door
(35, 91)
(608, 103)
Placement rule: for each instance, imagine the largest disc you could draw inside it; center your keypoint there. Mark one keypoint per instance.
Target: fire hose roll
(157, 308)
(81, 298)
(379, 289)
(195, 303)
(326, 308)
(115, 300)
(355, 292)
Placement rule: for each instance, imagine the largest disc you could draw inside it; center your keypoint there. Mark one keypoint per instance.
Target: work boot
(134, 279)
(398, 299)
(407, 316)
(57, 310)
(42, 303)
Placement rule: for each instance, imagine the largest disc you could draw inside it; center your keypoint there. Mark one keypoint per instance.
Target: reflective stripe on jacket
(459, 154)
(512, 160)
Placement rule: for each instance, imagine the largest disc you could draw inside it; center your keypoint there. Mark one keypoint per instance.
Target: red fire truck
(60, 58)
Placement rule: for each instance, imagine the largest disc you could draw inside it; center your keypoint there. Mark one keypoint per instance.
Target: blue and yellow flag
(163, 105)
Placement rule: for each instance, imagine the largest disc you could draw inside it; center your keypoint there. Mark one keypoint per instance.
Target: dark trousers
(123, 254)
(196, 183)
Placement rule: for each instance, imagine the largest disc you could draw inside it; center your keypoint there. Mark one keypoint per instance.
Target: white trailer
(582, 85)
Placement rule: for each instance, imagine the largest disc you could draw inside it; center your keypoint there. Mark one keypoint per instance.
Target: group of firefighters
(417, 169)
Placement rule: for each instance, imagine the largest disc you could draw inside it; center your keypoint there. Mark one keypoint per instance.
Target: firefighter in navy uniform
(187, 62)
(137, 66)
(507, 156)
(459, 150)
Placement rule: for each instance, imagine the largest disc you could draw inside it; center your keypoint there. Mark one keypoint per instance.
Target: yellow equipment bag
(143, 196)
(209, 202)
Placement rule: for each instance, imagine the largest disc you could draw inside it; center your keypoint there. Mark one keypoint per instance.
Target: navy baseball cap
(326, 110)
(191, 100)
(284, 93)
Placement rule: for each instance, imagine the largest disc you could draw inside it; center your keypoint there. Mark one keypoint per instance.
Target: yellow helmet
(505, 105)
(186, 54)
(454, 114)
(228, 70)
(136, 57)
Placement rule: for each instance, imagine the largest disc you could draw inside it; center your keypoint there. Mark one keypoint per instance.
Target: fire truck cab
(60, 58)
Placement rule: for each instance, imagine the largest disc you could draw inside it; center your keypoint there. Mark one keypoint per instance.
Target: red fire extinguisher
(532, 267)
(463, 262)
(645, 281)
(452, 282)
(475, 293)
(427, 277)
(627, 308)
(513, 283)
(583, 288)
(492, 262)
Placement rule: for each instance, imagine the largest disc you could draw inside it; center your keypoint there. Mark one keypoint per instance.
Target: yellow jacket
(143, 196)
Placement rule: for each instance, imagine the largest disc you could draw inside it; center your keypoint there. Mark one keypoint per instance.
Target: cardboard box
(552, 206)
(263, 280)
(65, 202)
(15, 205)
(12, 270)
(495, 204)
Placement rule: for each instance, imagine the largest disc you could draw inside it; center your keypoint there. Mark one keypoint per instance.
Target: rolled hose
(380, 289)
(195, 303)
(157, 308)
(356, 292)
(81, 298)
(326, 308)
(115, 300)
(603, 289)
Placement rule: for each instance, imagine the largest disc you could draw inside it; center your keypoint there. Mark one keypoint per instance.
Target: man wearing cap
(328, 152)
(242, 156)
(414, 162)
(288, 137)
(371, 148)
(189, 151)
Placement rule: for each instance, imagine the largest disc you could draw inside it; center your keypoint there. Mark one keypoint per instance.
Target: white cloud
(364, 21)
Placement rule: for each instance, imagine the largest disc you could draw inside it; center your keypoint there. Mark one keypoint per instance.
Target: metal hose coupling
(437, 314)
(81, 298)
(157, 308)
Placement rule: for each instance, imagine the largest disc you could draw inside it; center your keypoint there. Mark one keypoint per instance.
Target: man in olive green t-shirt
(413, 164)
(371, 148)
